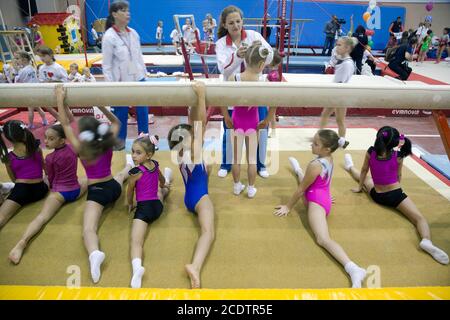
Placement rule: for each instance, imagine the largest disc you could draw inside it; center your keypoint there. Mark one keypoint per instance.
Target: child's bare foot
(194, 275)
(16, 253)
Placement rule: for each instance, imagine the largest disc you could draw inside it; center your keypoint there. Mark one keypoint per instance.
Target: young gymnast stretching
(65, 187)
(94, 146)
(187, 140)
(144, 180)
(385, 164)
(25, 166)
(314, 188)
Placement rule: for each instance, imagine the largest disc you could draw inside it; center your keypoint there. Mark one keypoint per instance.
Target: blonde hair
(350, 42)
(255, 54)
(74, 65)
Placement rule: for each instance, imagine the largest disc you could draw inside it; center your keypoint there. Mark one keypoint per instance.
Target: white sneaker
(295, 165)
(348, 161)
(238, 188)
(168, 175)
(251, 191)
(263, 173)
(222, 173)
(130, 160)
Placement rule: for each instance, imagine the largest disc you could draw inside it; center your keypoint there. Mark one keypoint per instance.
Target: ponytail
(406, 148)
(3, 149)
(109, 22)
(380, 146)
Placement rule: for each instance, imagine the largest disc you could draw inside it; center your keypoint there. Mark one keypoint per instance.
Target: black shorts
(25, 193)
(148, 211)
(390, 199)
(104, 193)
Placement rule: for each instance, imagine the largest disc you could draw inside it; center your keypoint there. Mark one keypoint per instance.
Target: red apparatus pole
(198, 47)
(282, 28)
(83, 31)
(290, 34)
(265, 19)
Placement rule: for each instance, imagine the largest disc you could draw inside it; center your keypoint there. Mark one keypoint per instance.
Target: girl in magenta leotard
(314, 187)
(245, 120)
(385, 164)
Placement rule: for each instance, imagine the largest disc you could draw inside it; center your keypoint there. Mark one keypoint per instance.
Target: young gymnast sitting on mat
(187, 140)
(65, 187)
(314, 188)
(385, 164)
(144, 180)
(25, 166)
(94, 146)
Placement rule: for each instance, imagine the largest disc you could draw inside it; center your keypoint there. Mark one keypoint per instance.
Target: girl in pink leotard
(245, 120)
(314, 187)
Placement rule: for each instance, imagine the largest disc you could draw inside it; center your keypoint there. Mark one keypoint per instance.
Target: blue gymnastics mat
(438, 162)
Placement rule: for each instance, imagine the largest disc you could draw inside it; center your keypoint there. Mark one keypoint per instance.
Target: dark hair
(429, 31)
(115, 6)
(179, 130)
(146, 143)
(412, 41)
(360, 30)
(221, 31)
(387, 139)
(59, 130)
(24, 55)
(256, 53)
(46, 51)
(91, 150)
(16, 131)
(329, 139)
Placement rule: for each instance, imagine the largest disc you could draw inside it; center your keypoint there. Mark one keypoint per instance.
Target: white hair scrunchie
(103, 129)
(86, 136)
(23, 126)
(341, 142)
(262, 54)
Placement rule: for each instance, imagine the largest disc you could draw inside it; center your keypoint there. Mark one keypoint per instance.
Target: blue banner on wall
(145, 15)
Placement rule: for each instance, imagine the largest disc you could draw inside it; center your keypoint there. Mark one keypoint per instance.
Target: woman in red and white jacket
(230, 52)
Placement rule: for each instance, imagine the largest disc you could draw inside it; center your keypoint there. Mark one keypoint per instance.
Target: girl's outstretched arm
(65, 123)
(312, 171)
(115, 123)
(363, 174)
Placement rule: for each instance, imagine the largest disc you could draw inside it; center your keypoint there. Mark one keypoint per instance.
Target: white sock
(348, 161)
(138, 272)
(296, 167)
(96, 259)
(168, 175)
(356, 273)
(439, 255)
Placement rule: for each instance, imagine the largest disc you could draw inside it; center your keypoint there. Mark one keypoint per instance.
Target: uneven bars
(228, 94)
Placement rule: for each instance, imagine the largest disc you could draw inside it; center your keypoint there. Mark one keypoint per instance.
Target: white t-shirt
(26, 75)
(175, 36)
(10, 72)
(344, 70)
(159, 32)
(188, 33)
(53, 73)
(74, 77)
(91, 78)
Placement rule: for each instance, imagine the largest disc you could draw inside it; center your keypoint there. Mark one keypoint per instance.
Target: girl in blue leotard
(187, 140)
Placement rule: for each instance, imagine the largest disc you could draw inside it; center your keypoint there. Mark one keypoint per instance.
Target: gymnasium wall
(145, 14)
